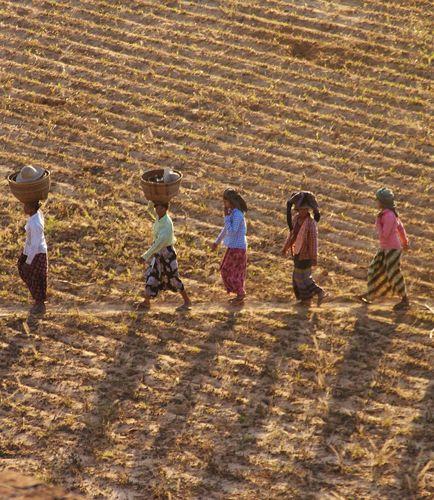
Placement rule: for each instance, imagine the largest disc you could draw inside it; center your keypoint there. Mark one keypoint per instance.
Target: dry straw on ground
(268, 95)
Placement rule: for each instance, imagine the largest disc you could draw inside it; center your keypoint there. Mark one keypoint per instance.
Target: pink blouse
(391, 231)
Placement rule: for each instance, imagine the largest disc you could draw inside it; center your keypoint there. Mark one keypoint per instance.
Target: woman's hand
(285, 252)
(406, 248)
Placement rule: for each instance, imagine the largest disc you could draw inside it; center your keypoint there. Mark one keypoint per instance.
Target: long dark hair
(235, 199)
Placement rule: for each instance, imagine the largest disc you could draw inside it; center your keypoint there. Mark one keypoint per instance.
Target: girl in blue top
(234, 265)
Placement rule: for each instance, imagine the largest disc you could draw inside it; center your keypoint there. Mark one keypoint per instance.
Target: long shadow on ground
(239, 445)
(8, 358)
(356, 390)
(120, 385)
(15, 344)
(182, 403)
(415, 468)
(225, 443)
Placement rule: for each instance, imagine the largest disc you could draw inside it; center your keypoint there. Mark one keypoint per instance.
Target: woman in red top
(302, 242)
(384, 274)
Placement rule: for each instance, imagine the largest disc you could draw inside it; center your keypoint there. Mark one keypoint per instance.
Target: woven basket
(158, 191)
(29, 192)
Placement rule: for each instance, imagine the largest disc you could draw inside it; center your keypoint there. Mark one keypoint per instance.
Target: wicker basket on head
(29, 192)
(158, 191)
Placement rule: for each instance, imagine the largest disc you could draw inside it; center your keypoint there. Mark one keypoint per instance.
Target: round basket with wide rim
(159, 191)
(29, 192)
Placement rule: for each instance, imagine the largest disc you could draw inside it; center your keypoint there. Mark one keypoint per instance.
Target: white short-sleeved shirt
(35, 238)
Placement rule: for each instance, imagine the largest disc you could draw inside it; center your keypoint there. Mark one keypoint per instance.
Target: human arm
(403, 235)
(291, 236)
(219, 239)
(233, 221)
(287, 245)
(313, 242)
(160, 242)
(311, 200)
(289, 214)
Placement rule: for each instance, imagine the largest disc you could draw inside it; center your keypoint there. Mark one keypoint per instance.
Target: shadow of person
(133, 362)
(14, 345)
(353, 389)
(119, 384)
(369, 343)
(183, 401)
(304, 320)
(32, 323)
(415, 463)
(14, 341)
(258, 408)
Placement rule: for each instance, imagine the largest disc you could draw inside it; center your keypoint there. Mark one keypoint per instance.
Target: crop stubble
(269, 96)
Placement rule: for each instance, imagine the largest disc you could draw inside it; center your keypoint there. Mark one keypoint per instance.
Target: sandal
(233, 299)
(321, 297)
(183, 307)
(364, 298)
(238, 301)
(303, 303)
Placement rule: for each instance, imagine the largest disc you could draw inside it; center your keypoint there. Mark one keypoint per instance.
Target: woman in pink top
(384, 274)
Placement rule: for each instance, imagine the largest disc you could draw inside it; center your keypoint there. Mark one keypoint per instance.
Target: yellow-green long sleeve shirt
(163, 236)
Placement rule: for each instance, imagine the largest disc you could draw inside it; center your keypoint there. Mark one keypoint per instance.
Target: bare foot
(144, 306)
(321, 296)
(403, 305)
(38, 309)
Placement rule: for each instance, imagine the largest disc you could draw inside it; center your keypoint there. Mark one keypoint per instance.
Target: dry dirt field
(268, 402)
(18, 486)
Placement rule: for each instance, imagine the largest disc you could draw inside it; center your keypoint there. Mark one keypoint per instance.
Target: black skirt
(163, 273)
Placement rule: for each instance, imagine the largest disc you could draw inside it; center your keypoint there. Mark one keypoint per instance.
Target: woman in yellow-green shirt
(162, 272)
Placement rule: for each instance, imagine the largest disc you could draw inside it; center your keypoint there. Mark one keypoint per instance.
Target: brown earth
(269, 96)
(14, 485)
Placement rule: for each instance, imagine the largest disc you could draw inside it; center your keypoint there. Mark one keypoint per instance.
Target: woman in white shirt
(33, 263)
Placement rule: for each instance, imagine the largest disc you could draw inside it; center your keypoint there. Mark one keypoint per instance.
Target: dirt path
(114, 308)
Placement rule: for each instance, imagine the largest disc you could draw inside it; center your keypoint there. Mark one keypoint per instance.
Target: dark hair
(36, 205)
(161, 204)
(236, 199)
(297, 199)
